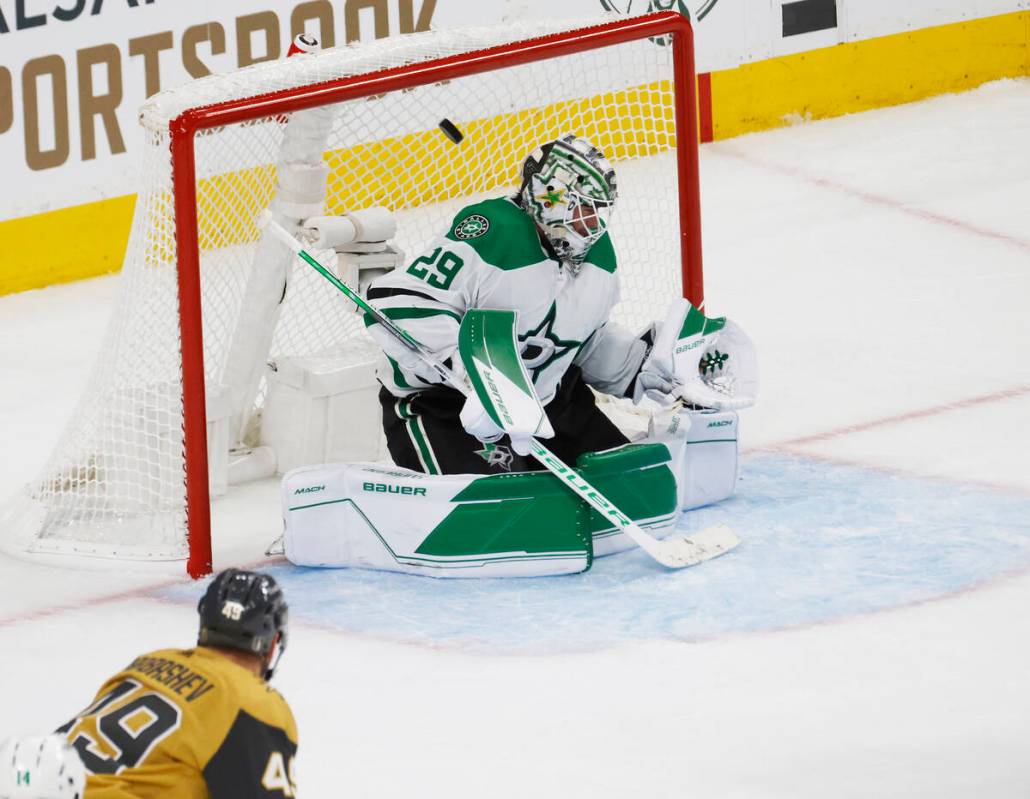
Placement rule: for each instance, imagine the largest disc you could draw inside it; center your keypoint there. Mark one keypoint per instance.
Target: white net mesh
(115, 484)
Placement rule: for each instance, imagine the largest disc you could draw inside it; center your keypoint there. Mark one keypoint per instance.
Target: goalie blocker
(520, 524)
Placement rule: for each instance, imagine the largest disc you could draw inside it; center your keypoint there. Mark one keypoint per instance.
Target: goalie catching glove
(706, 362)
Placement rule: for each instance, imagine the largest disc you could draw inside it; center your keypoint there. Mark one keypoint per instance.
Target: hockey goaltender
(495, 340)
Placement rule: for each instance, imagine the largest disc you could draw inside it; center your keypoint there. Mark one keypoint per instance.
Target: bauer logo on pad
(388, 488)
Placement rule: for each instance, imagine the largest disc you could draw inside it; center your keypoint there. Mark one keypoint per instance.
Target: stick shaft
(584, 489)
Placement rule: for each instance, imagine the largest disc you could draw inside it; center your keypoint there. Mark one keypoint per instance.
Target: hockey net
(129, 477)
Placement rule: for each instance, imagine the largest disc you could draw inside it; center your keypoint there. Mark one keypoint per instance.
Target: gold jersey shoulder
(186, 723)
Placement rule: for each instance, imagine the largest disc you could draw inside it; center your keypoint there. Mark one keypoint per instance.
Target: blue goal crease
(819, 542)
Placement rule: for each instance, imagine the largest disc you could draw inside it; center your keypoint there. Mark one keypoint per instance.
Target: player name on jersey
(177, 677)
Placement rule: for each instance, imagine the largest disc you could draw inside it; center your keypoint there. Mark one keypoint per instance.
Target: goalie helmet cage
(129, 477)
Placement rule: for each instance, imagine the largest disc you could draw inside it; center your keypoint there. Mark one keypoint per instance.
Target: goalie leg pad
(698, 466)
(704, 447)
(640, 479)
(520, 524)
(392, 519)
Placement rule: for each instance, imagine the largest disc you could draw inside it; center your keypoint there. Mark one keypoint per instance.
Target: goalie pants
(424, 432)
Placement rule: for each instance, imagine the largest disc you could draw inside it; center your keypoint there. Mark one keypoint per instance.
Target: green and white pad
(700, 452)
(641, 481)
(685, 334)
(489, 352)
(511, 525)
(712, 360)
(705, 452)
(392, 519)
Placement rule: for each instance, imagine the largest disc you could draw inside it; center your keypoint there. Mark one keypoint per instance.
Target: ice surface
(821, 542)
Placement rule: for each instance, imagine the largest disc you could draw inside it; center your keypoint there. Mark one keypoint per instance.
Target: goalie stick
(674, 552)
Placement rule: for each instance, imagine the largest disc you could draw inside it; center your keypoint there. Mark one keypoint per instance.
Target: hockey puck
(450, 130)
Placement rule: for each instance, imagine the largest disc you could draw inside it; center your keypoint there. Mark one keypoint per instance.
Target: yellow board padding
(64, 245)
(89, 240)
(233, 197)
(871, 73)
(425, 167)
(627, 124)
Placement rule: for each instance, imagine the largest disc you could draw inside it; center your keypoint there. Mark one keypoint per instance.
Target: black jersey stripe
(376, 293)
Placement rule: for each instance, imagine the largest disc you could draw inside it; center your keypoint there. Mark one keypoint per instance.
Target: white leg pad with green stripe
(711, 464)
(704, 460)
(519, 525)
(392, 519)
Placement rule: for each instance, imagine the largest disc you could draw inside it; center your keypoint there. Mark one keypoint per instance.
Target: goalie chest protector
(491, 257)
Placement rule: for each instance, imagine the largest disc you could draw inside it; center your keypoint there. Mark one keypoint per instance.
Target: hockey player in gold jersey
(199, 722)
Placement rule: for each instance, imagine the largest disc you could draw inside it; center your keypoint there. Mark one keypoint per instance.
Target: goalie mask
(568, 187)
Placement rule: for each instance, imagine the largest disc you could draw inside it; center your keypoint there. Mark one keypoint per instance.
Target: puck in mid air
(450, 130)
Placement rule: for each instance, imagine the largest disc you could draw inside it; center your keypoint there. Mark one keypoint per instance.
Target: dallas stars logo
(541, 347)
(713, 361)
(552, 196)
(496, 456)
(472, 226)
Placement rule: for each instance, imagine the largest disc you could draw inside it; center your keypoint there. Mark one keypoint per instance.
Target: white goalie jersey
(492, 257)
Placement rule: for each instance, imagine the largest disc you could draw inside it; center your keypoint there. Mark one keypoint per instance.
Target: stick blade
(681, 551)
